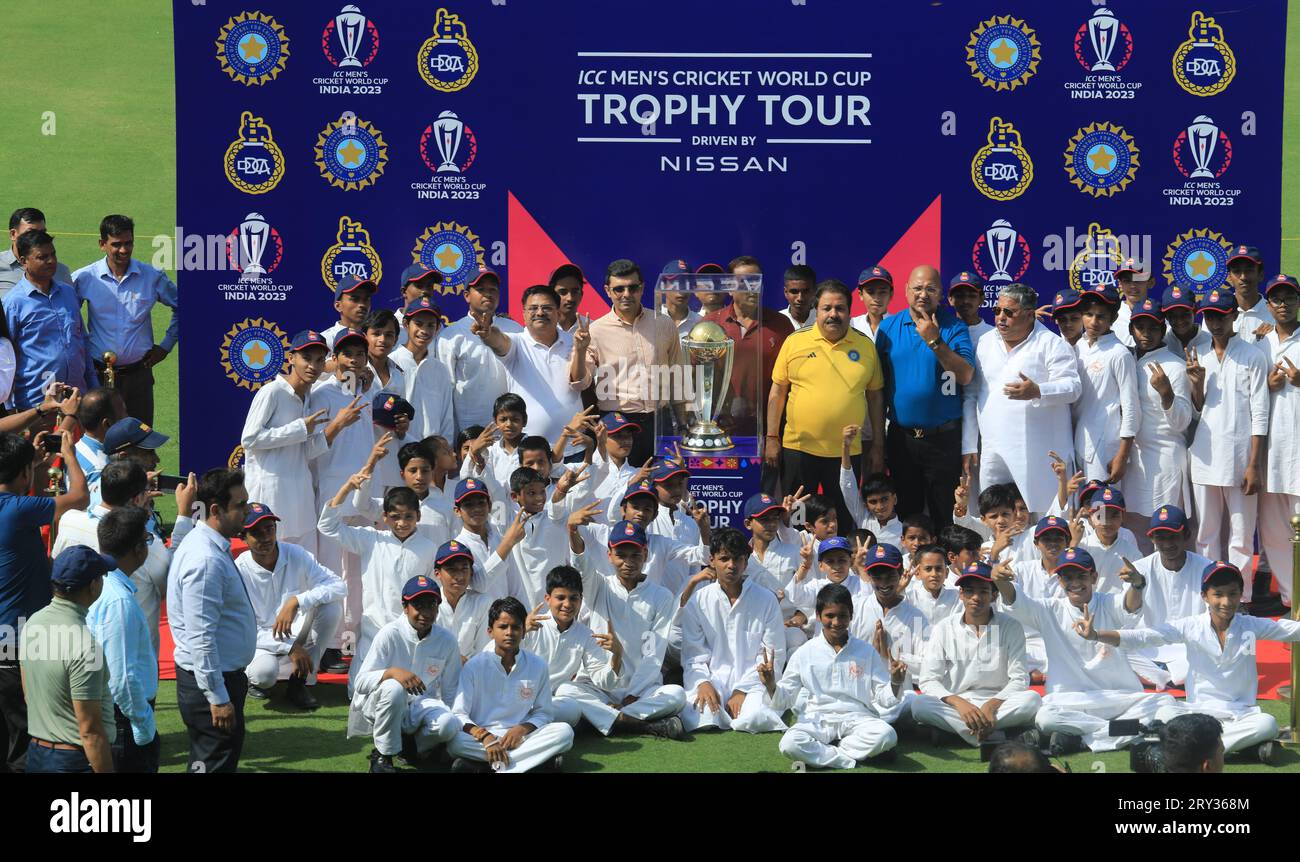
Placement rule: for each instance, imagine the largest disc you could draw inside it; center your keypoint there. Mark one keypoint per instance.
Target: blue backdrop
(320, 139)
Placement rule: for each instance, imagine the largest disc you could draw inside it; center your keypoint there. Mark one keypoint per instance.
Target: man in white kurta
(1227, 454)
(1088, 686)
(281, 436)
(1280, 501)
(408, 680)
(727, 628)
(1221, 642)
(1026, 377)
(975, 663)
(1108, 378)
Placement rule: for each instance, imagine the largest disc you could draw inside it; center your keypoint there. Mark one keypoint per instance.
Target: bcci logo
(1002, 169)
(1003, 52)
(253, 352)
(1104, 34)
(452, 249)
(442, 143)
(348, 38)
(1001, 254)
(1203, 147)
(1198, 261)
(351, 153)
(351, 255)
(1095, 266)
(247, 245)
(1204, 64)
(252, 48)
(1102, 159)
(447, 60)
(254, 164)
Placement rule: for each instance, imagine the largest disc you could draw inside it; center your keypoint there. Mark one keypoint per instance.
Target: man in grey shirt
(11, 271)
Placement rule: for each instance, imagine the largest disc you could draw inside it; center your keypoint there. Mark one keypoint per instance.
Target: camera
(1147, 754)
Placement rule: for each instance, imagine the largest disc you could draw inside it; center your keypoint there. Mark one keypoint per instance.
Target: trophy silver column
(1203, 136)
(254, 233)
(447, 130)
(711, 354)
(351, 24)
(1103, 27)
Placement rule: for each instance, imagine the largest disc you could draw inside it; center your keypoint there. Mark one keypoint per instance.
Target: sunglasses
(999, 311)
(626, 288)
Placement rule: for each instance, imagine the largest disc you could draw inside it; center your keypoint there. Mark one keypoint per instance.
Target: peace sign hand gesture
(582, 334)
(806, 547)
(1160, 381)
(766, 672)
(534, 620)
(1083, 627)
(571, 478)
(1195, 371)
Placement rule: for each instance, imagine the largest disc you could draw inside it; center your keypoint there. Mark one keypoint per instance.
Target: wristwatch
(933, 344)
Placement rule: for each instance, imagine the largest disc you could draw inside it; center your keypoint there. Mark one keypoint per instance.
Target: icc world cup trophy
(711, 354)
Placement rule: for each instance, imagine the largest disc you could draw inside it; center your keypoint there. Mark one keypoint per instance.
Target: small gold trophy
(110, 376)
(56, 481)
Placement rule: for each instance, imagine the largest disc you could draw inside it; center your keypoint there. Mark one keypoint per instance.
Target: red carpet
(167, 667)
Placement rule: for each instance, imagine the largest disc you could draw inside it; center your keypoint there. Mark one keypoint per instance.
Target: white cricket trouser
(1092, 721)
(1213, 503)
(755, 716)
(537, 748)
(1035, 653)
(395, 711)
(1275, 512)
(268, 667)
(1016, 711)
(575, 700)
(1239, 731)
(150, 591)
(347, 566)
(860, 737)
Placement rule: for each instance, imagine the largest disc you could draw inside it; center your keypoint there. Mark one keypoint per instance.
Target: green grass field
(102, 73)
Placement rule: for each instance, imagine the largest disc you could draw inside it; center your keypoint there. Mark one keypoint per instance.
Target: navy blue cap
(1092, 487)
(1169, 518)
(350, 283)
(1109, 498)
(1177, 297)
(1065, 300)
(1074, 558)
(1105, 292)
(79, 565)
(760, 504)
(345, 335)
(667, 470)
(977, 571)
(706, 268)
(387, 406)
(1246, 252)
(639, 489)
(469, 487)
(451, 550)
(1130, 264)
(485, 272)
(1281, 280)
(421, 585)
(1218, 302)
(884, 554)
(258, 512)
(616, 421)
(675, 267)
(627, 533)
(1147, 308)
(421, 305)
(1219, 567)
(566, 270)
(875, 273)
(965, 279)
(1050, 523)
(417, 272)
(834, 543)
(307, 338)
(130, 431)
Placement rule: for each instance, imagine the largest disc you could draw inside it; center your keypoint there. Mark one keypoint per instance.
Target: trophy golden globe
(110, 376)
(711, 354)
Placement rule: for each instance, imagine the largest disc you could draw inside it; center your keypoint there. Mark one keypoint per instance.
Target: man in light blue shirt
(212, 622)
(120, 293)
(44, 321)
(120, 627)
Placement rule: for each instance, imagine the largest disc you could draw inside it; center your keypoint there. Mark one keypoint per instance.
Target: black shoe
(410, 753)
(258, 693)
(381, 762)
(1060, 744)
(667, 728)
(300, 695)
(331, 661)
(465, 766)
(1265, 751)
(1032, 738)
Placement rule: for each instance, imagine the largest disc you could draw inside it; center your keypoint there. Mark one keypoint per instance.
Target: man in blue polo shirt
(925, 351)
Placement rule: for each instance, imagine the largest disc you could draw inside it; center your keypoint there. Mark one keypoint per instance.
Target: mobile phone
(169, 483)
(52, 443)
(64, 393)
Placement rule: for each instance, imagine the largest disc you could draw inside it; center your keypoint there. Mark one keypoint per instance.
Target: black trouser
(135, 385)
(812, 471)
(127, 755)
(211, 749)
(643, 444)
(925, 472)
(13, 720)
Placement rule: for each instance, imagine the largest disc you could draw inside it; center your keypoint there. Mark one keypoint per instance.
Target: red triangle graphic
(532, 257)
(919, 244)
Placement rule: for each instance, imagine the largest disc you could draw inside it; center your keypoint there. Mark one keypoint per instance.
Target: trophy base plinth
(706, 438)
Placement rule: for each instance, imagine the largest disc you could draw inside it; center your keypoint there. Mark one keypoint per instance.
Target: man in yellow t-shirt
(831, 376)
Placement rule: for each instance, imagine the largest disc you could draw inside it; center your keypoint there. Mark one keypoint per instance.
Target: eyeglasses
(999, 311)
(540, 309)
(626, 288)
(1280, 298)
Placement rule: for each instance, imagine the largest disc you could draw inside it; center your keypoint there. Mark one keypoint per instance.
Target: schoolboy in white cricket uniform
(1102, 440)
(1280, 501)
(1174, 574)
